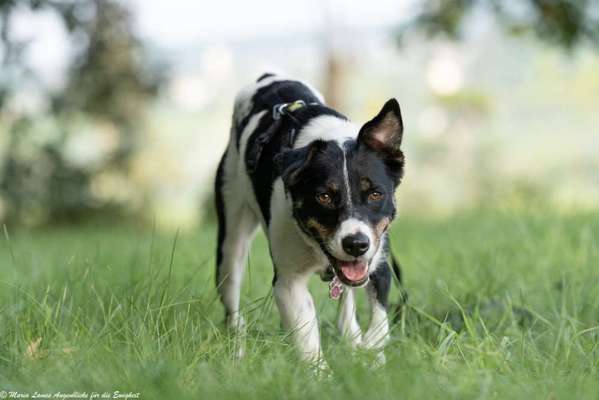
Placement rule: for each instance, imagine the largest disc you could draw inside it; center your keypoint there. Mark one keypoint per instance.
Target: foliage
(109, 82)
(566, 23)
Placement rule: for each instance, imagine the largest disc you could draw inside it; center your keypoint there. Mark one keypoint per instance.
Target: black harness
(282, 114)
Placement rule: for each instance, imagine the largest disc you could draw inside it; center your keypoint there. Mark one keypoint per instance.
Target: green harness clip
(286, 108)
(296, 105)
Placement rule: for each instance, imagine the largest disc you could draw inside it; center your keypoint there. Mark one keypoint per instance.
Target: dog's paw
(320, 368)
(379, 359)
(236, 325)
(239, 348)
(235, 322)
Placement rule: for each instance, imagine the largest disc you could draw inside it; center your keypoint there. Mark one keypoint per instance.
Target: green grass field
(503, 305)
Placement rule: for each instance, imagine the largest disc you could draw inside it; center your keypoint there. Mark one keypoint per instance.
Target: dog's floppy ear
(292, 162)
(384, 134)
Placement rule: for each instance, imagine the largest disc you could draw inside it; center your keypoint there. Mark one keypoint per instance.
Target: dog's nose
(356, 245)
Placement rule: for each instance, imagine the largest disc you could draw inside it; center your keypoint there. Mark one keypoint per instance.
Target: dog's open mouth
(352, 273)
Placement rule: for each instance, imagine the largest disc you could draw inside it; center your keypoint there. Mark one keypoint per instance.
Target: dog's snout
(356, 244)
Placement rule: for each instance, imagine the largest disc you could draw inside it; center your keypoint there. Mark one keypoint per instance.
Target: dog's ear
(384, 134)
(290, 164)
(385, 131)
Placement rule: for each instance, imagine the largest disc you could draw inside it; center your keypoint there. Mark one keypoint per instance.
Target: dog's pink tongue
(354, 271)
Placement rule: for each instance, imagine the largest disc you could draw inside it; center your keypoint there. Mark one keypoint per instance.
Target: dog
(323, 190)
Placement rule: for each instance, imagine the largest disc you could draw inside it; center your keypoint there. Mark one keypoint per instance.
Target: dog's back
(256, 101)
(254, 143)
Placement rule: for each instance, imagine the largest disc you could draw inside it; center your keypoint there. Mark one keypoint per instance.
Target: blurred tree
(465, 145)
(109, 82)
(109, 79)
(565, 23)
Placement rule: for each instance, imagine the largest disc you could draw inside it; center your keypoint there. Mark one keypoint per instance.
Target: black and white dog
(323, 190)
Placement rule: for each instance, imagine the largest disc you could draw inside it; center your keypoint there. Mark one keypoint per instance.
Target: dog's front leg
(299, 316)
(377, 334)
(347, 322)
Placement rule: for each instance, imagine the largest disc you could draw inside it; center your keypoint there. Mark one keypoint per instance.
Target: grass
(503, 305)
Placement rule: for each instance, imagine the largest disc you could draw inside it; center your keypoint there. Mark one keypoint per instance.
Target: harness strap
(279, 112)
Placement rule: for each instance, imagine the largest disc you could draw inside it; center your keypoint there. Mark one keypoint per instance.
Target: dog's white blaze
(346, 179)
(327, 127)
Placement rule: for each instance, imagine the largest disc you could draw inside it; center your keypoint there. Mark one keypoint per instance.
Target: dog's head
(343, 194)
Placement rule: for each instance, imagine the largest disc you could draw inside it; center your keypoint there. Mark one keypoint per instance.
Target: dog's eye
(324, 199)
(375, 196)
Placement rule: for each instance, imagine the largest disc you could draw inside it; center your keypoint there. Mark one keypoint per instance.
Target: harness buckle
(280, 109)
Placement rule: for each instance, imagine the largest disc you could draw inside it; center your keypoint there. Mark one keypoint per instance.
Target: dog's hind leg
(236, 227)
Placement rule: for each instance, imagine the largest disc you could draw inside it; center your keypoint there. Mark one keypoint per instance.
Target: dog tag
(335, 288)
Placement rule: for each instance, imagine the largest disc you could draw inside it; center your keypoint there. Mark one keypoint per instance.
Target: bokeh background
(120, 109)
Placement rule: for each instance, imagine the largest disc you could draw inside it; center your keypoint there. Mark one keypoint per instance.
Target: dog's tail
(403, 295)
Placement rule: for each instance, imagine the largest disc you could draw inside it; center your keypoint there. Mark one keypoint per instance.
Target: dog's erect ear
(385, 131)
(291, 163)
(383, 134)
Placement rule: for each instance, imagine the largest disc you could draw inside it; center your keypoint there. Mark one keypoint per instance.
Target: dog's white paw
(320, 368)
(379, 359)
(239, 348)
(236, 325)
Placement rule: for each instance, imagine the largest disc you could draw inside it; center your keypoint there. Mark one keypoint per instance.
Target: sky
(178, 22)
